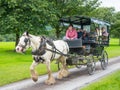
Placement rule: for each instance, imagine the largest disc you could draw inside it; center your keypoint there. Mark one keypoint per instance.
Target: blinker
(25, 40)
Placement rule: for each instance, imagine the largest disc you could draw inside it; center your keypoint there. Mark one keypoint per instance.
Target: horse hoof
(59, 77)
(50, 82)
(65, 73)
(35, 79)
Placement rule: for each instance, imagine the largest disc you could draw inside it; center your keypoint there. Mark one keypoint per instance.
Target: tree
(104, 13)
(17, 16)
(116, 26)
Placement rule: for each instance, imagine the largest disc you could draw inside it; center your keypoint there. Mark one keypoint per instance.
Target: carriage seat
(76, 43)
(89, 42)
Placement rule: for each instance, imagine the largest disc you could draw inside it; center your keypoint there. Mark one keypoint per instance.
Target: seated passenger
(84, 39)
(80, 33)
(97, 33)
(71, 33)
(85, 36)
(104, 34)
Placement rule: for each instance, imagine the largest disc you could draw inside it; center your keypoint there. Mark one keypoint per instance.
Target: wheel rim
(104, 60)
(91, 64)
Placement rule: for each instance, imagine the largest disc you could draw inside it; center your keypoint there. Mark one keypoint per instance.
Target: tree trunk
(17, 38)
(119, 40)
(57, 31)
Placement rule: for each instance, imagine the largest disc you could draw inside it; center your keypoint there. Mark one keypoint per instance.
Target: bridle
(27, 41)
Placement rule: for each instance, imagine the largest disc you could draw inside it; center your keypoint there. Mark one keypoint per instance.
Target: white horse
(43, 51)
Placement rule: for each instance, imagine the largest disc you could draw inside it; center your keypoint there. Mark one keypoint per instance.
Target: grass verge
(110, 82)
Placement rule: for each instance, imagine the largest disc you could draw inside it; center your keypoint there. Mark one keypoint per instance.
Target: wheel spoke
(90, 64)
(104, 60)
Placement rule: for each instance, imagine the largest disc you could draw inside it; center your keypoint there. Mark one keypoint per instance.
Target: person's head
(103, 28)
(80, 30)
(84, 31)
(96, 28)
(70, 27)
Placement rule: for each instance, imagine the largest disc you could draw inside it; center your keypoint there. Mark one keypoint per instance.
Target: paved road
(77, 79)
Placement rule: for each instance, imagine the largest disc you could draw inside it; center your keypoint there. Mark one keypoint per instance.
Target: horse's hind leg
(63, 71)
(50, 79)
(34, 75)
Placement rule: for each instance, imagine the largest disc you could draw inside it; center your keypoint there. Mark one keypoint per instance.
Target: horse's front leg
(51, 79)
(34, 75)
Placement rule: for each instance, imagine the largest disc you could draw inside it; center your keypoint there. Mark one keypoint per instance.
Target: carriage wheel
(90, 64)
(104, 60)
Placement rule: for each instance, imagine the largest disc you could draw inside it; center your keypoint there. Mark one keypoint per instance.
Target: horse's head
(24, 43)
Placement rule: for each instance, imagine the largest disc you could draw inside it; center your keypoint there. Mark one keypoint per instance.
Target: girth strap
(38, 59)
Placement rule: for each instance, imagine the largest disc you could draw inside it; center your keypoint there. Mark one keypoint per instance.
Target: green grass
(15, 67)
(110, 82)
(114, 49)
(114, 41)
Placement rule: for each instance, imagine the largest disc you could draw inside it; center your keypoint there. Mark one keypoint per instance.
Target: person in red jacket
(71, 33)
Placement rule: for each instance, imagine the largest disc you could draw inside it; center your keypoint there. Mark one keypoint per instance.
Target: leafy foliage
(104, 13)
(7, 37)
(115, 30)
(21, 15)
(17, 16)
(116, 25)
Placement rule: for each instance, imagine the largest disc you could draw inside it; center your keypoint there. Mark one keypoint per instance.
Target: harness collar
(41, 50)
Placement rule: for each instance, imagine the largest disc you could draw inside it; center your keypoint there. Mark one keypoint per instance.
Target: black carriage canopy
(81, 20)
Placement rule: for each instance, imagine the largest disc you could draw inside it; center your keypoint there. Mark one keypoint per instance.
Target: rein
(58, 52)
